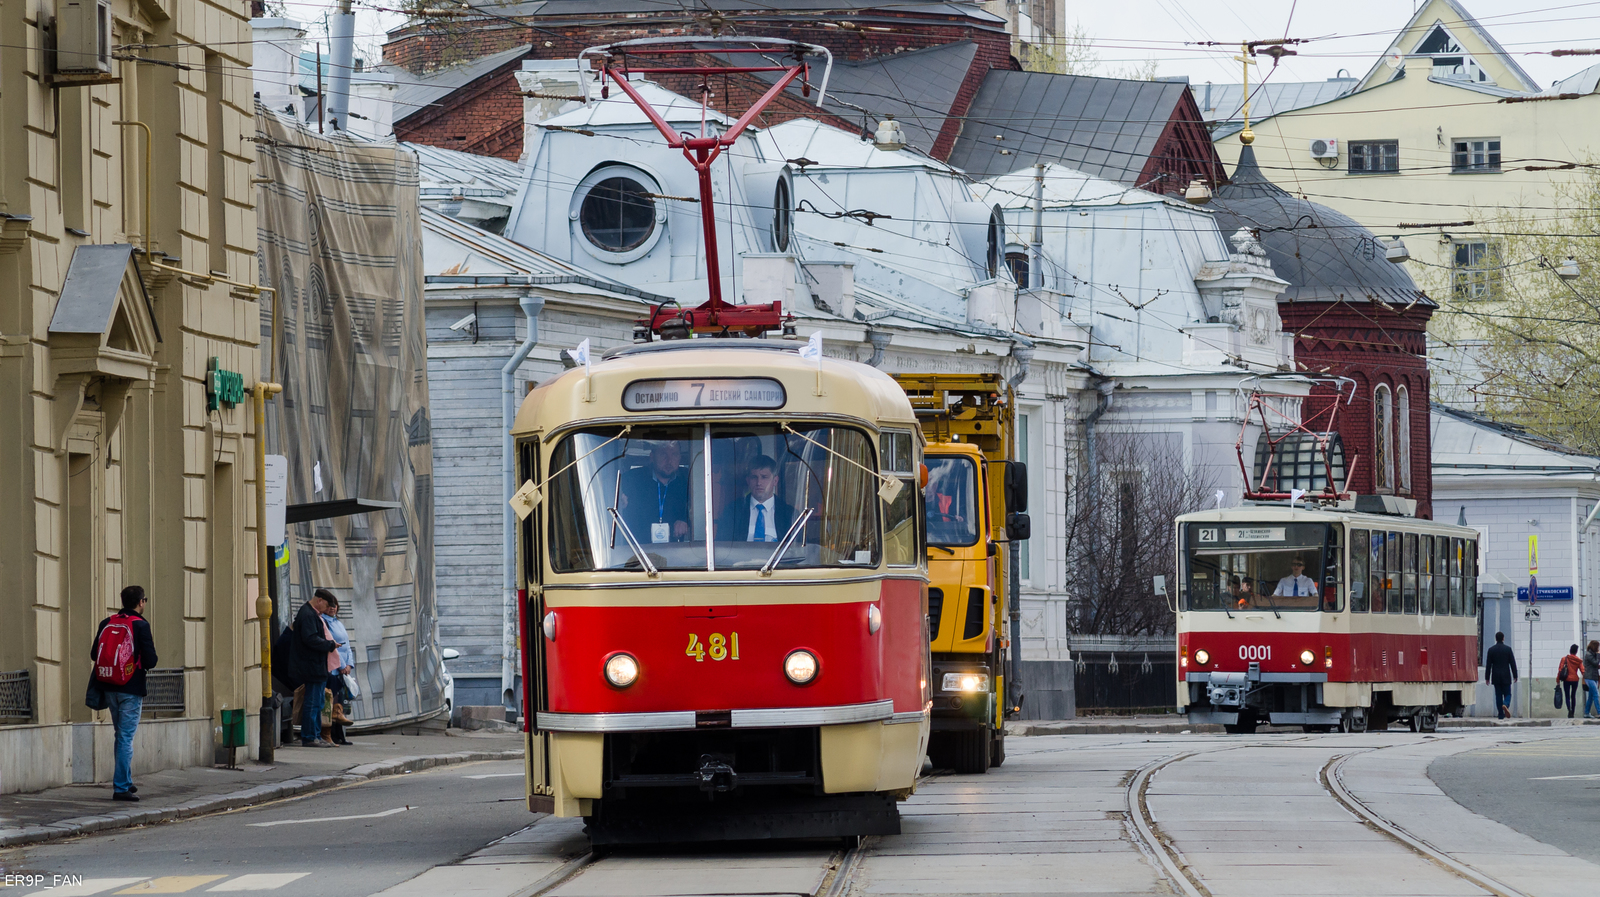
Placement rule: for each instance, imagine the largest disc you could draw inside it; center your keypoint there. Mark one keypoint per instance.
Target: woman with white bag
(342, 684)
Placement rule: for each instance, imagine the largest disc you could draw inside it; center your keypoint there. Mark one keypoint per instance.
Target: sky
(1344, 34)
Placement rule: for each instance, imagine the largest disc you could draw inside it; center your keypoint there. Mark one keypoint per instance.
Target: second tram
(1325, 618)
(723, 594)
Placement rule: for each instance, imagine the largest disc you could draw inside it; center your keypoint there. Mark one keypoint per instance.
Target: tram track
(1184, 878)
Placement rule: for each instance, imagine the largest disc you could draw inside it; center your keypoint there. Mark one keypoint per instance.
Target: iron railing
(163, 692)
(16, 697)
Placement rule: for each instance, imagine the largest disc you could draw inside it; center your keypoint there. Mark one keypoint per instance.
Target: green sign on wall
(224, 389)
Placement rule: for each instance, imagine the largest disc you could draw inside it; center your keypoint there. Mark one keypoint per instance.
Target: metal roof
(918, 88)
(1225, 102)
(676, 8)
(1465, 443)
(1325, 255)
(416, 93)
(468, 174)
(1105, 127)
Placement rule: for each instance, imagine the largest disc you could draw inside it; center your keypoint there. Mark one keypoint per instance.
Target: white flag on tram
(813, 348)
(1221, 497)
(581, 355)
(1295, 495)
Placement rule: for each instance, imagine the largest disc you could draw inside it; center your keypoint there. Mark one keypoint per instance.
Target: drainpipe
(880, 342)
(531, 307)
(1024, 358)
(1105, 388)
(1036, 269)
(341, 59)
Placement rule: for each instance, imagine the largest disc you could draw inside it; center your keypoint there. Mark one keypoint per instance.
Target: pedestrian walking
(1500, 671)
(312, 656)
(123, 649)
(1569, 672)
(1591, 680)
(338, 716)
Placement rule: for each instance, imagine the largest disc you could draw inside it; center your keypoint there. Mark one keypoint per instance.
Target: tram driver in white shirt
(1297, 584)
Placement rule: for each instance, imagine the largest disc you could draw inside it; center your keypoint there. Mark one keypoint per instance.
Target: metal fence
(1124, 674)
(16, 697)
(163, 692)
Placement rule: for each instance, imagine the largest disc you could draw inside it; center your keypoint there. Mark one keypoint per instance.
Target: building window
(1477, 270)
(1374, 155)
(1382, 439)
(1475, 154)
(1402, 421)
(782, 216)
(1017, 261)
(618, 214)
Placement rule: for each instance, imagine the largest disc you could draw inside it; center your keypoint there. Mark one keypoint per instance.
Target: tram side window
(1469, 579)
(897, 458)
(1392, 545)
(1453, 562)
(1332, 570)
(1360, 567)
(1441, 580)
(1408, 572)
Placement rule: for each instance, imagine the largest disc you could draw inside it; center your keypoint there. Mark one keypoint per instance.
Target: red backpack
(114, 659)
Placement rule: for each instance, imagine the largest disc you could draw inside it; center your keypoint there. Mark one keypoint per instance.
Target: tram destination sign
(721, 393)
(1256, 534)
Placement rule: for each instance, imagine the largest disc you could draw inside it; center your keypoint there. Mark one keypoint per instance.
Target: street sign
(1531, 613)
(277, 498)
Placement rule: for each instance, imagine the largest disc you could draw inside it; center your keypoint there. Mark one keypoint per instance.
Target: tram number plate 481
(716, 646)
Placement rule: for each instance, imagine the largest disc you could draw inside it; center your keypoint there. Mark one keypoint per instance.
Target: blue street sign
(1547, 593)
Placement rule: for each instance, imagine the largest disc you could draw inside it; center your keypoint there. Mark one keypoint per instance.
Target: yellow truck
(977, 501)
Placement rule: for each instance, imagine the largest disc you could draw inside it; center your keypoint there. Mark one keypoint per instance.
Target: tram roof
(1284, 514)
(848, 388)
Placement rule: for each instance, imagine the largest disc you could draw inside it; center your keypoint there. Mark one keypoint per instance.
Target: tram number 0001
(1255, 652)
(716, 646)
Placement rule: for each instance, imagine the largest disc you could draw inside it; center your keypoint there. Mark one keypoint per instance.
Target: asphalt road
(1548, 790)
(349, 842)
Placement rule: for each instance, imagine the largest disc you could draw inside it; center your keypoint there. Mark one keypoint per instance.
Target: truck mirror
(1018, 526)
(1016, 486)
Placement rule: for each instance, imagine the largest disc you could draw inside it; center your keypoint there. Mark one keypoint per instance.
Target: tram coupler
(716, 774)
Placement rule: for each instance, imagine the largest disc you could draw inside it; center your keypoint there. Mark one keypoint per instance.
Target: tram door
(535, 694)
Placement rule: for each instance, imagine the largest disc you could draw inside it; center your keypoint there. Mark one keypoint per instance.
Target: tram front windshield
(1233, 567)
(801, 497)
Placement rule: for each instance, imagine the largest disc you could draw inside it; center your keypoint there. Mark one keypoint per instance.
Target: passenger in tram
(1297, 584)
(760, 515)
(1239, 590)
(655, 498)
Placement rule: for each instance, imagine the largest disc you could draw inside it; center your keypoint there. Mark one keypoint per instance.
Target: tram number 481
(716, 646)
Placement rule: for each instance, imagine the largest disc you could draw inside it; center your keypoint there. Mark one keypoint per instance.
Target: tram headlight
(1308, 657)
(800, 667)
(622, 670)
(967, 682)
(1202, 657)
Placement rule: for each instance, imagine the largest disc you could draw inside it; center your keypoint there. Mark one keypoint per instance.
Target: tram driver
(760, 515)
(1297, 584)
(655, 498)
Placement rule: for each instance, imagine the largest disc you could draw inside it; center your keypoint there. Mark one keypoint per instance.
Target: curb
(1072, 727)
(200, 806)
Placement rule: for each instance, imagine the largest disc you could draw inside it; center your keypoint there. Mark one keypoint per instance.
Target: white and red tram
(1324, 618)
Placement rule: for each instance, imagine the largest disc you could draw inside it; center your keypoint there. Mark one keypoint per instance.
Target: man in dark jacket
(1500, 670)
(308, 664)
(127, 701)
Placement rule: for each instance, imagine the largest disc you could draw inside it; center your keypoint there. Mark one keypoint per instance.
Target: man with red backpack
(123, 649)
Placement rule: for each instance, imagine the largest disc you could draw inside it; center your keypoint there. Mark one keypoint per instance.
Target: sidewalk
(1172, 724)
(180, 793)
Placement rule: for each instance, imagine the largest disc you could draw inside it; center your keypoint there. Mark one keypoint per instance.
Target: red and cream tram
(724, 594)
(1324, 617)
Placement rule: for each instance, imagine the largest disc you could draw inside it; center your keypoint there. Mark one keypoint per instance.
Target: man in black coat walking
(126, 701)
(309, 648)
(1500, 670)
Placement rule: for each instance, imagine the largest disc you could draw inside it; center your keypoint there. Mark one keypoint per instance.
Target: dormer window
(618, 214)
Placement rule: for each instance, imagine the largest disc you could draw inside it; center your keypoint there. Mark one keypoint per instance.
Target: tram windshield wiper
(794, 530)
(638, 552)
(1274, 605)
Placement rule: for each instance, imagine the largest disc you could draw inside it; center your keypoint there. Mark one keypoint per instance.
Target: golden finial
(1246, 136)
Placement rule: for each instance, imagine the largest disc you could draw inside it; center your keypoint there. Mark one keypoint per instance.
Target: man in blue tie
(760, 515)
(1297, 584)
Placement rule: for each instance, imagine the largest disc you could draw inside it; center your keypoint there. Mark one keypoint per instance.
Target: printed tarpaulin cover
(340, 243)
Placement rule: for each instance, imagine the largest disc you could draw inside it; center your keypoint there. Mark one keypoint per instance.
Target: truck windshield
(952, 500)
(654, 493)
(1249, 567)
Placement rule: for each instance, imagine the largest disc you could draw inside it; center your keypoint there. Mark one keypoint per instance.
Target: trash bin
(233, 729)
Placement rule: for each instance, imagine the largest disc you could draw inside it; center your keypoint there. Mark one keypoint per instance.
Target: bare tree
(1120, 531)
(1074, 53)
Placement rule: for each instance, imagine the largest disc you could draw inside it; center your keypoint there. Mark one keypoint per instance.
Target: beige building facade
(128, 244)
(1440, 131)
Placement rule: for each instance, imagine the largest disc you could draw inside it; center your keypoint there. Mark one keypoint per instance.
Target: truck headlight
(965, 682)
(622, 670)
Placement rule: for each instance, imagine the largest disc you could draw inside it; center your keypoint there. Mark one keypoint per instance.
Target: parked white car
(449, 682)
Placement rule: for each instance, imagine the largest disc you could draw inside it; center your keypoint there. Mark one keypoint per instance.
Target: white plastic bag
(350, 687)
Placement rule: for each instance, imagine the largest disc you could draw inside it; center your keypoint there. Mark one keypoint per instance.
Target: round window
(782, 217)
(618, 214)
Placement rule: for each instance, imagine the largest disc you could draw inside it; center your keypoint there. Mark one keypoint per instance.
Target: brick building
(1353, 314)
(944, 70)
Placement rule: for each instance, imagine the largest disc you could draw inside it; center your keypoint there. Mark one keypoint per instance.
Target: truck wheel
(997, 753)
(972, 752)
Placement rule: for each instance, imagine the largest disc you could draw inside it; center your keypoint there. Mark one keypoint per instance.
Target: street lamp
(1568, 270)
(1198, 193)
(889, 136)
(1396, 252)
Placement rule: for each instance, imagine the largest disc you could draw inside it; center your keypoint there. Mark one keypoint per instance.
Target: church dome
(1325, 255)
